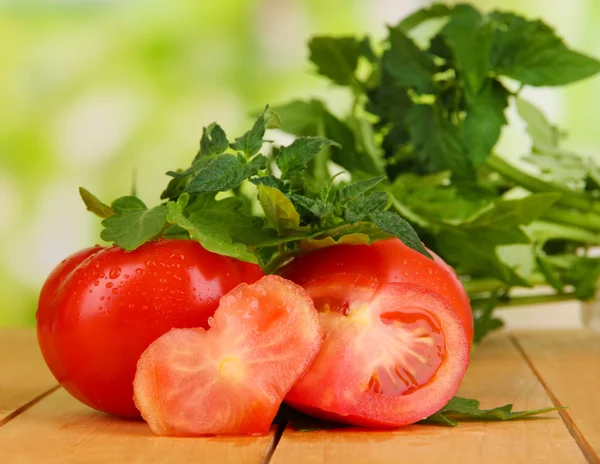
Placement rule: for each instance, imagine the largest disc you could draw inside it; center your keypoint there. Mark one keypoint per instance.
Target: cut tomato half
(232, 378)
(394, 353)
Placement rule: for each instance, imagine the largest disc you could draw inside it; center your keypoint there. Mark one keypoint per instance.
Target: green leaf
(409, 66)
(270, 181)
(94, 205)
(468, 409)
(349, 157)
(336, 58)
(435, 11)
(437, 142)
(531, 53)
(365, 205)
(469, 36)
(542, 133)
(278, 208)
(511, 213)
(394, 225)
(293, 159)
(133, 224)
(213, 141)
(209, 225)
(251, 142)
(224, 172)
(485, 118)
(301, 118)
(351, 191)
(476, 253)
(313, 207)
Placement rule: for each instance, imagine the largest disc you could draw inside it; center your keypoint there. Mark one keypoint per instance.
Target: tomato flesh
(386, 261)
(394, 353)
(232, 378)
(102, 307)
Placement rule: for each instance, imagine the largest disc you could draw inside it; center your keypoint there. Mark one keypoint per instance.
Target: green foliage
(431, 116)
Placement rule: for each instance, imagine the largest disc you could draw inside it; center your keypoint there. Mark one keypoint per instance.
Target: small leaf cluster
(298, 212)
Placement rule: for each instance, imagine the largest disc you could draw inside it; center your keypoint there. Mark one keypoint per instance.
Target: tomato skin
(387, 261)
(98, 314)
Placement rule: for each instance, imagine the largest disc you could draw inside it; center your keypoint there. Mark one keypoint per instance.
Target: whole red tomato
(102, 307)
(387, 261)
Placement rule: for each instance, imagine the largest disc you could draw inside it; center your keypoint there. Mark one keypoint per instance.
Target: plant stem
(569, 198)
(526, 300)
(585, 220)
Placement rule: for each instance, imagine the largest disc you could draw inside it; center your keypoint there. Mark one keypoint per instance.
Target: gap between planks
(585, 446)
(21, 409)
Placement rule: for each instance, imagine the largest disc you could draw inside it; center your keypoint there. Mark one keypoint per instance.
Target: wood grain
(498, 374)
(24, 376)
(568, 363)
(59, 429)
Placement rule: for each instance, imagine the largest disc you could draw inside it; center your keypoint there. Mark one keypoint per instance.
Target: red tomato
(394, 353)
(232, 378)
(387, 261)
(102, 307)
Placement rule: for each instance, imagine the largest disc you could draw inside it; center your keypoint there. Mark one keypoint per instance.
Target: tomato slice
(232, 378)
(394, 353)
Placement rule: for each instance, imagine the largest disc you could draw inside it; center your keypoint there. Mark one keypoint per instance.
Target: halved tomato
(232, 378)
(394, 353)
(387, 260)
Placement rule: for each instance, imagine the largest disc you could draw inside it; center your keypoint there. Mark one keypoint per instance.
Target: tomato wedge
(232, 378)
(394, 353)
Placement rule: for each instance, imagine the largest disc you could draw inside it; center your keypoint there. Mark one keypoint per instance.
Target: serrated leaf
(469, 36)
(94, 205)
(350, 239)
(132, 223)
(464, 409)
(224, 172)
(278, 208)
(294, 158)
(364, 205)
(203, 227)
(336, 57)
(531, 53)
(484, 121)
(409, 66)
(354, 189)
(270, 181)
(251, 142)
(435, 11)
(437, 142)
(542, 133)
(309, 206)
(394, 225)
(213, 141)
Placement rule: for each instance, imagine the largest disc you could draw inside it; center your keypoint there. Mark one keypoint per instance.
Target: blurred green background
(91, 91)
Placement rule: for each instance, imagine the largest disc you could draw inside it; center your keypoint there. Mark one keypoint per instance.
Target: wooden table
(40, 423)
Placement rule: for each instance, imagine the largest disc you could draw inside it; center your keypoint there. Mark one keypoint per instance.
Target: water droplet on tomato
(90, 291)
(114, 273)
(109, 284)
(102, 298)
(126, 276)
(139, 271)
(115, 291)
(96, 283)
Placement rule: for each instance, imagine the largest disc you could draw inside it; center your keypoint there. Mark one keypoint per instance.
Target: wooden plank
(24, 376)
(568, 364)
(498, 374)
(61, 430)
